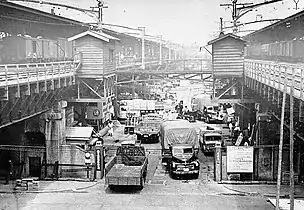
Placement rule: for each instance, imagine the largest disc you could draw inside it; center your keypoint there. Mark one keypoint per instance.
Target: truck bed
(120, 170)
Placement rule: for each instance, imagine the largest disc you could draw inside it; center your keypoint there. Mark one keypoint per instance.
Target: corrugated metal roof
(278, 23)
(224, 37)
(78, 132)
(42, 13)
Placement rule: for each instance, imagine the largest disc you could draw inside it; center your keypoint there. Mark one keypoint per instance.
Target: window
(188, 150)
(34, 45)
(111, 56)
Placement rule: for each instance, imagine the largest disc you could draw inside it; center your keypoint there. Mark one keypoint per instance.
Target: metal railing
(18, 74)
(276, 74)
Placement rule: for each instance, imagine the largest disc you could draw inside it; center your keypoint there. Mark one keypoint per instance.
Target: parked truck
(148, 130)
(128, 167)
(209, 138)
(179, 141)
(135, 107)
(206, 110)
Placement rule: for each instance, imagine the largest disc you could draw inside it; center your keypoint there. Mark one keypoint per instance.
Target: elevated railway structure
(89, 82)
(273, 65)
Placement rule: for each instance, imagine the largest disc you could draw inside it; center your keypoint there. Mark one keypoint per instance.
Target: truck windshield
(188, 150)
(213, 138)
(180, 151)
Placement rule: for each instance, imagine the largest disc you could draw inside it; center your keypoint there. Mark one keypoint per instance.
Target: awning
(78, 133)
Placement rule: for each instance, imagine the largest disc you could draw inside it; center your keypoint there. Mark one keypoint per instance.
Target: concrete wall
(72, 154)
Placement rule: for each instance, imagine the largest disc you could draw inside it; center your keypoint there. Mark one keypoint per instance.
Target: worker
(239, 140)
(185, 110)
(111, 130)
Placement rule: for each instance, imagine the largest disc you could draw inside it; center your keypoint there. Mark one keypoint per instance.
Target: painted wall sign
(239, 159)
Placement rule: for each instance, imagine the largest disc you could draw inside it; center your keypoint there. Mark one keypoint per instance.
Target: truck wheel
(195, 176)
(208, 120)
(142, 183)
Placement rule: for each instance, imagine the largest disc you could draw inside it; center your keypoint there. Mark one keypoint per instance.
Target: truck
(209, 138)
(130, 124)
(135, 107)
(148, 130)
(179, 142)
(206, 110)
(128, 167)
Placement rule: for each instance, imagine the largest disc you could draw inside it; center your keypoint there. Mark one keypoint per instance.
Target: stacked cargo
(27, 184)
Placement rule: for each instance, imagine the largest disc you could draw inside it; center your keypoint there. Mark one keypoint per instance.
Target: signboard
(93, 113)
(239, 159)
(98, 161)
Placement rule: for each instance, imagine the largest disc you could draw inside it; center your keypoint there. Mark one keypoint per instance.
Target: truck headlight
(174, 164)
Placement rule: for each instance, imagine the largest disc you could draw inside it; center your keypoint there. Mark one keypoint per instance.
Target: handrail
(15, 74)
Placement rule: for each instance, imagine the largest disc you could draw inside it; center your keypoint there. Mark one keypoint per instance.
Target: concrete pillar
(217, 163)
(55, 131)
(160, 51)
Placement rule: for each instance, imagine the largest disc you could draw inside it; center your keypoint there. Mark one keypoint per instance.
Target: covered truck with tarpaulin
(180, 144)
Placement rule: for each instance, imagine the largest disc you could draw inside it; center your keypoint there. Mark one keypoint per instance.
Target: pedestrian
(111, 130)
(185, 110)
(239, 140)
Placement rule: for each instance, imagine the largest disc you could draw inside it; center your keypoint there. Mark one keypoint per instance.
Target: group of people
(181, 109)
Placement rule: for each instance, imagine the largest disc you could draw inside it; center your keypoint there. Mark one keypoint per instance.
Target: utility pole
(291, 149)
(281, 147)
(221, 24)
(296, 2)
(100, 6)
(238, 10)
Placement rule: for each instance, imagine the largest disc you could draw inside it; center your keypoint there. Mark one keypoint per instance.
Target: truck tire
(208, 119)
(111, 187)
(142, 183)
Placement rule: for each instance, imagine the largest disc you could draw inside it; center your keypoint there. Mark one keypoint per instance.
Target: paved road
(160, 192)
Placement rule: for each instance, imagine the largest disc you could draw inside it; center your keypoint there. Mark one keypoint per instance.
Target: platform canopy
(78, 135)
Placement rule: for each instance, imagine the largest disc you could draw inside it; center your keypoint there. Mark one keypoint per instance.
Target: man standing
(111, 130)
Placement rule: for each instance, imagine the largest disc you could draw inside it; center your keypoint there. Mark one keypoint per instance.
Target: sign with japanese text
(239, 159)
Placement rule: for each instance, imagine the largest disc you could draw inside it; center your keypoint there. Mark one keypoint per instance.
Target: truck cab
(209, 141)
(184, 161)
(213, 114)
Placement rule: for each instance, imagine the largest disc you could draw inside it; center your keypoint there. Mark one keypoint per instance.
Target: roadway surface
(160, 192)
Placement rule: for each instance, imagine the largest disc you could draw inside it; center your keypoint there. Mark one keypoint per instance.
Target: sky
(185, 22)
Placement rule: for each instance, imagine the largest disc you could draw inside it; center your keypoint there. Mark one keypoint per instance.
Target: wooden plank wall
(109, 67)
(92, 56)
(228, 58)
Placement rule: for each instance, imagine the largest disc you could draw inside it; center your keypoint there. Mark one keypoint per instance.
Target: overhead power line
(239, 10)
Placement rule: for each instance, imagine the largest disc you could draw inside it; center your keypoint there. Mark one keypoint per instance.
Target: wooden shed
(98, 56)
(228, 56)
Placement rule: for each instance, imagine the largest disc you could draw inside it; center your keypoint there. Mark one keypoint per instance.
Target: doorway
(34, 166)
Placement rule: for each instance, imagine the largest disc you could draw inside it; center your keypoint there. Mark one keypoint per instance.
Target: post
(281, 146)
(142, 47)
(221, 24)
(160, 50)
(169, 47)
(99, 154)
(291, 133)
(217, 159)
